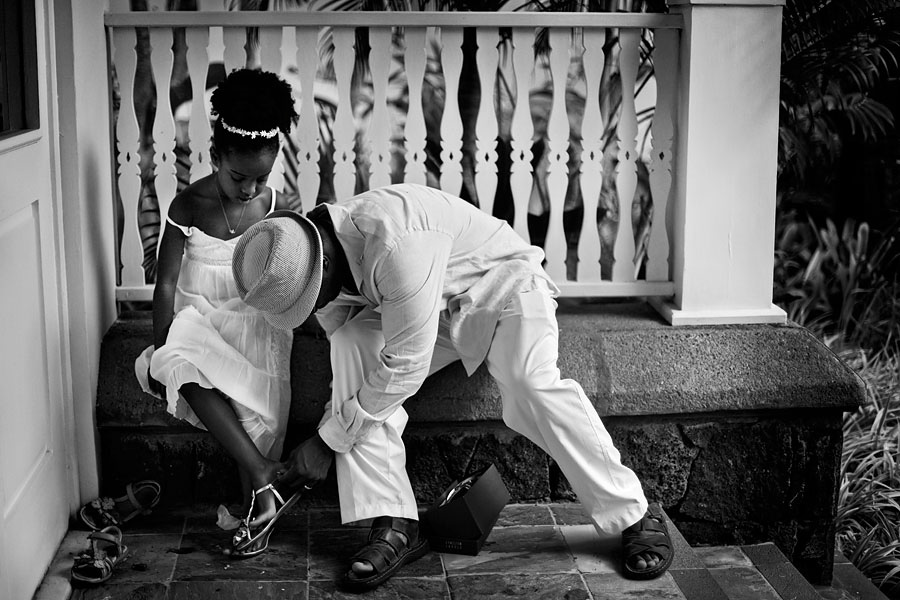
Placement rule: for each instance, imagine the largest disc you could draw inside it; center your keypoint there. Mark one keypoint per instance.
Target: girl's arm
(171, 250)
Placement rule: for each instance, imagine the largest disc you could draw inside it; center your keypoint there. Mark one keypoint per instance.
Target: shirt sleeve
(410, 281)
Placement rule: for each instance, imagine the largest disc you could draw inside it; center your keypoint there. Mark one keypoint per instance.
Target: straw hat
(277, 266)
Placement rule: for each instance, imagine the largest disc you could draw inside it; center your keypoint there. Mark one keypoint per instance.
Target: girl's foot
(264, 506)
(251, 541)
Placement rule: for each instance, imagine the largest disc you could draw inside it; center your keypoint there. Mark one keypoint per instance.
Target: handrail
(393, 18)
(590, 267)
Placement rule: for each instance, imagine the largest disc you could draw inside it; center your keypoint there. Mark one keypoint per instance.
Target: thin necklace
(231, 229)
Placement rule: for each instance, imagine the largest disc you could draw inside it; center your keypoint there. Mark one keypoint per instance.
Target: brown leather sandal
(650, 534)
(391, 545)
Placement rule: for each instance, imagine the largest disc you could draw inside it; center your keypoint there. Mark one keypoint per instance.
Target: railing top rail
(389, 19)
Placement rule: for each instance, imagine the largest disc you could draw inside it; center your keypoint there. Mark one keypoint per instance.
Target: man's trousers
(553, 413)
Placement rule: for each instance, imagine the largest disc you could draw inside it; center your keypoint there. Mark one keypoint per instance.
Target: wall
(87, 207)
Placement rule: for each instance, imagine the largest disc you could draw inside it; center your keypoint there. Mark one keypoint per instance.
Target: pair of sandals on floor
(393, 543)
(105, 516)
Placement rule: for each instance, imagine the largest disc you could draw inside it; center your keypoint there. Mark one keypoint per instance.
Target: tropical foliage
(840, 279)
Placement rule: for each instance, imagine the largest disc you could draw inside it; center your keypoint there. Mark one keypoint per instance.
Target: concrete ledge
(628, 361)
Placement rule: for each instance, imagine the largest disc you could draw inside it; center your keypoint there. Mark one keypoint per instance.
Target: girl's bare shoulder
(193, 201)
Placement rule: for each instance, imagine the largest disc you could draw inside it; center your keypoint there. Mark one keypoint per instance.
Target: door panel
(35, 490)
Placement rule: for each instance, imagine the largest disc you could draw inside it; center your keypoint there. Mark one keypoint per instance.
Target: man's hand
(309, 462)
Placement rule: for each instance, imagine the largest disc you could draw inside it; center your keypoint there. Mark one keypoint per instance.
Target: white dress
(218, 341)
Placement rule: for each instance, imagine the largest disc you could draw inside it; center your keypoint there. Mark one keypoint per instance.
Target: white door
(34, 488)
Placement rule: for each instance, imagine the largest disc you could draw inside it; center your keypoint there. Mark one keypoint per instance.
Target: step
(534, 551)
(711, 419)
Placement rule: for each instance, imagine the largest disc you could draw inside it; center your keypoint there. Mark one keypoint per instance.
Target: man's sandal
(139, 498)
(649, 535)
(95, 565)
(245, 538)
(387, 550)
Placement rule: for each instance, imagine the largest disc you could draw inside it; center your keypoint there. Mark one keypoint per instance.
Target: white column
(725, 163)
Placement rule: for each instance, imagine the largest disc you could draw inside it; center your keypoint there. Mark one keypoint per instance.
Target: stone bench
(736, 430)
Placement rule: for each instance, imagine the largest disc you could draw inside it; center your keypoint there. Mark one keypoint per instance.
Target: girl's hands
(155, 386)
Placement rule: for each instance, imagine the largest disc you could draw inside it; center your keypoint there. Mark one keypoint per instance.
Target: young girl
(217, 362)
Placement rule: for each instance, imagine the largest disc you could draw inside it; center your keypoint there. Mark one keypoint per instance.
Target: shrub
(842, 287)
(868, 519)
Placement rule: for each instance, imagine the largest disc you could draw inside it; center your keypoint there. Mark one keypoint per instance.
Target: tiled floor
(535, 552)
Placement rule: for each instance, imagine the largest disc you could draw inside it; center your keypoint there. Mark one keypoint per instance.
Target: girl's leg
(220, 419)
(246, 488)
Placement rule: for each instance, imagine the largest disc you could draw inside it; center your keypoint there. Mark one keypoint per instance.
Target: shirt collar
(351, 240)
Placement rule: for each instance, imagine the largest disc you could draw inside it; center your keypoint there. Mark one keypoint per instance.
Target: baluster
(626, 177)
(308, 127)
(666, 70)
(344, 123)
(591, 156)
(414, 132)
(270, 60)
(216, 47)
(162, 60)
(557, 144)
(522, 128)
(234, 56)
(199, 130)
(124, 42)
(486, 125)
(379, 129)
(451, 121)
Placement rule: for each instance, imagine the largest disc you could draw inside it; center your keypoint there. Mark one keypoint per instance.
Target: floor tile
(524, 514)
(325, 518)
(610, 586)
(685, 557)
(787, 581)
(148, 559)
(121, 591)
(848, 577)
(761, 554)
(593, 553)
(397, 588)
(744, 583)
(537, 586)
(722, 556)
(330, 552)
(569, 514)
(237, 590)
(516, 550)
(202, 559)
(697, 584)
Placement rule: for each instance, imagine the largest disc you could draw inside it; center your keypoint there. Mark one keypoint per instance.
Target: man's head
(277, 266)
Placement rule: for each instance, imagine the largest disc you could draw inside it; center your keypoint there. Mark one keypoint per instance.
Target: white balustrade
(162, 60)
(451, 121)
(414, 131)
(131, 253)
(523, 97)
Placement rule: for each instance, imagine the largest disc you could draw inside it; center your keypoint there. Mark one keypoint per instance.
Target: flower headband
(270, 133)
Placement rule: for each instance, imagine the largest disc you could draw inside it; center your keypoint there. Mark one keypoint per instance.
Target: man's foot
(393, 542)
(646, 546)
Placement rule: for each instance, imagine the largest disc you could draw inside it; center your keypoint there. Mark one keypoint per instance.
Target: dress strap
(272, 208)
(185, 230)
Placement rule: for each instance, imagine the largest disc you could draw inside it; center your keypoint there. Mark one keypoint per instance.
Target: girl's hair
(252, 107)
